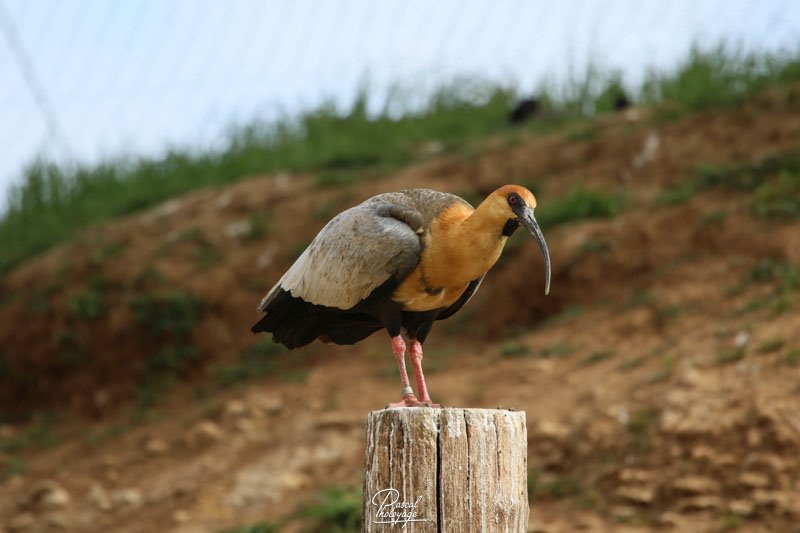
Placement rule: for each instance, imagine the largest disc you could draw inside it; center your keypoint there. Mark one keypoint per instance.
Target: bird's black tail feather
(292, 321)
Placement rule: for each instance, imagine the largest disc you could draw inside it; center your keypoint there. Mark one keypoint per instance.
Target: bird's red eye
(512, 199)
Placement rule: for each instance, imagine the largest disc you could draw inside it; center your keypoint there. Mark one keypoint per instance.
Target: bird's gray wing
(355, 253)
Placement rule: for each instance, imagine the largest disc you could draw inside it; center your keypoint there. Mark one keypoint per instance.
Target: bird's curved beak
(526, 218)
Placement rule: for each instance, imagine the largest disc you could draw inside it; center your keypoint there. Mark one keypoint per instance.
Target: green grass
(336, 510)
(556, 488)
(730, 355)
(771, 345)
(166, 316)
(579, 204)
(89, 304)
(596, 357)
(167, 321)
(258, 527)
(556, 350)
(338, 147)
(792, 357)
(38, 435)
(256, 362)
(514, 350)
(774, 182)
(720, 77)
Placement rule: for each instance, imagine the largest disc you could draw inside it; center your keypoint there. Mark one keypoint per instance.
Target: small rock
(99, 498)
(235, 408)
(22, 522)
(237, 229)
(50, 495)
(156, 446)
(56, 521)
(623, 512)
(699, 503)
(636, 476)
(245, 425)
(8, 432)
(181, 516)
(741, 507)
(271, 404)
(771, 498)
(754, 480)
(128, 497)
(206, 432)
(696, 485)
(296, 480)
(741, 340)
(554, 430)
(753, 437)
(636, 494)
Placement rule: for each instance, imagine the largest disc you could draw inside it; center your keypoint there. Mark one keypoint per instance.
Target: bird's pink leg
(416, 361)
(399, 351)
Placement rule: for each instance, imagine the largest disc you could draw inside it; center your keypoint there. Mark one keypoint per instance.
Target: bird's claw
(412, 401)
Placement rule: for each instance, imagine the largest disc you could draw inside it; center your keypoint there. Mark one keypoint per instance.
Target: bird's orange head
(512, 206)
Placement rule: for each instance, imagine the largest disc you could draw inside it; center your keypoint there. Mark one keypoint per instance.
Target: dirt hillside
(661, 377)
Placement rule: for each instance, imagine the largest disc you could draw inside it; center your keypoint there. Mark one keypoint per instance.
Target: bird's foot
(411, 401)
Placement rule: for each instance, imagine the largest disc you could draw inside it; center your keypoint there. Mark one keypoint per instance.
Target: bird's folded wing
(355, 253)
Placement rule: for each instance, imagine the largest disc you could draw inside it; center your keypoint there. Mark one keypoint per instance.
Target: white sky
(139, 76)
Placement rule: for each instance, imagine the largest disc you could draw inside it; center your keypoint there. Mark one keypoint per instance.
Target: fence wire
(88, 79)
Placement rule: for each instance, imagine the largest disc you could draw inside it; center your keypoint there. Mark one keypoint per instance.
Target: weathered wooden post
(443, 470)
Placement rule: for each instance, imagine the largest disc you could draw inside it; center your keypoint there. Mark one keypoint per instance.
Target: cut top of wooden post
(446, 470)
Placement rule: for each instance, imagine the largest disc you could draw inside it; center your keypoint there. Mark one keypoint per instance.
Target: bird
(524, 110)
(398, 261)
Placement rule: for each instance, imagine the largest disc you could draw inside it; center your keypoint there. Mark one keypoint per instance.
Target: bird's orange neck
(464, 243)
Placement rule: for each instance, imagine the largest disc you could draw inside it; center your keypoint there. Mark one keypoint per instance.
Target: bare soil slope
(660, 378)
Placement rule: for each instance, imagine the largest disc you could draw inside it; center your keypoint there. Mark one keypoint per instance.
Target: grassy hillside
(53, 201)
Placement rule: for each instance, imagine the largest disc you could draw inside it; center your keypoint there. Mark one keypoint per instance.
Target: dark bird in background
(398, 261)
(621, 101)
(523, 111)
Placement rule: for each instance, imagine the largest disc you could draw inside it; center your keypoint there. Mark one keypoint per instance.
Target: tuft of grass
(258, 527)
(719, 77)
(89, 304)
(641, 426)
(557, 488)
(631, 363)
(258, 228)
(108, 251)
(771, 345)
(730, 355)
(775, 180)
(596, 357)
(565, 316)
(579, 204)
(168, 320)
(39, 435)
(14, 467)
(71, 352)
(514, 350)
(556, 350)
(779, 199)
(257, 361)
(171, 316)
(792, 357)
(336, 510)
(593, 246)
